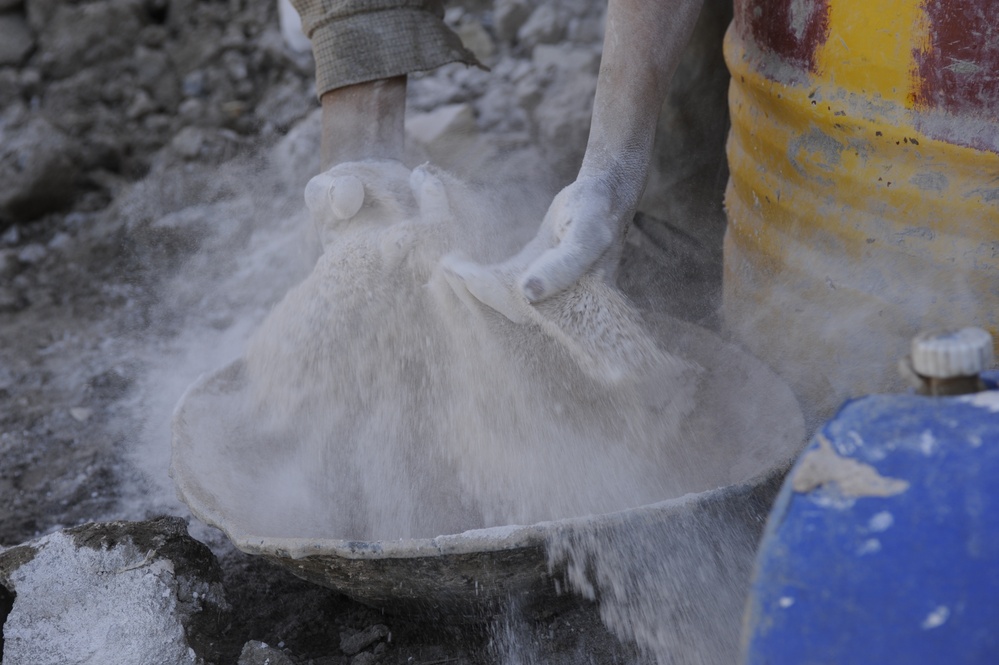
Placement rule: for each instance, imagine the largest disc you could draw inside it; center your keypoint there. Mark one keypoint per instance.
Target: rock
(364, 658)
(291, 28)
(430, 127)
(191, 110)
(258, 653)
(154, 36)
(11, 236)
(284, 103)
(76, 219)
(38, 169)
(16, 40)
(154, 73)
(140, 106)
(529, 93)
(7, 263)
(509, 16)
(195, 48)
(511, 69)
(476, 39)
(80, 414)
(295, 158)
(499, 110)
(563, 122)
(31, 80)
(60, 242)
(111, 384)
(32, 253)
(543, 27)
(565, 58)
(10, 86)
(79, 93)
(443, 131)
(235, 65)
(425, 93)
(194, 84)
(40, 12)
(113, 593)
(233, 37)
(206, 145)
(188, 141)
(8, 5)
(357, 642)
(158, 125)
(78, 36)
(11, 301)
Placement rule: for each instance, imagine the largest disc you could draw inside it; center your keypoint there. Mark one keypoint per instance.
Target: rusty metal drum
(864, 189)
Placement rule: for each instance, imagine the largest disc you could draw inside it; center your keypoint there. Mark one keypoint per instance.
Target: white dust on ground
(118, 606)
(383, 407)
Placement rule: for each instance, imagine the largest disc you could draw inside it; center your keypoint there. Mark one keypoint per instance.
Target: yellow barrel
(863, 203)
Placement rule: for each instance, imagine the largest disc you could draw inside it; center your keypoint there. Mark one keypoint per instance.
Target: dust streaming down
(374, 404)
(395, 409)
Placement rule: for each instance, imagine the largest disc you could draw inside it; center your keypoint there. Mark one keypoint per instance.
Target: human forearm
(643, 42)
(363, 121)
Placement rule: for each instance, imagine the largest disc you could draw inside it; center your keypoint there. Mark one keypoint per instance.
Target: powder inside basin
(745, 416)
(386, 436)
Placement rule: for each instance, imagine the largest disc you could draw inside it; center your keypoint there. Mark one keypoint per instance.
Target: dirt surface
(152, 159)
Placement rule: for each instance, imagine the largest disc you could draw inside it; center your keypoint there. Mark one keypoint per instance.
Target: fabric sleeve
(355, 41)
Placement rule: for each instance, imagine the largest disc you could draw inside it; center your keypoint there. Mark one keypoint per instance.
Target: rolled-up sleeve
(355, 41)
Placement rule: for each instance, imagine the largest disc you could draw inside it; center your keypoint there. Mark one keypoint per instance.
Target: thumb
(561, 266)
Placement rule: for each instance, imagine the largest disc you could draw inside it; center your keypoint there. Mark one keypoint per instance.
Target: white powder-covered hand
(354, 192)
(581, 233)
(583, 230)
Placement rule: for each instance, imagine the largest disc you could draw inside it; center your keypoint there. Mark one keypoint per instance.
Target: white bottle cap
(945, 355)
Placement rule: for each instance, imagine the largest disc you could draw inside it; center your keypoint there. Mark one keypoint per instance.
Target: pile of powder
(385, 407)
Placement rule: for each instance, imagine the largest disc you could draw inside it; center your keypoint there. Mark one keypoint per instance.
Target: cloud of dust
(374, 404)
(254, 242)
(371, 403)
(378, 391)
(836, 328)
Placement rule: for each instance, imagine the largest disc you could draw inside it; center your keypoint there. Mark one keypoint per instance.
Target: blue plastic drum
(883, 546)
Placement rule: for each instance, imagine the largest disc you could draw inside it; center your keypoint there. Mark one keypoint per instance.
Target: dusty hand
(361, 142)
(352, 190)
(581, 234)
(583, 230)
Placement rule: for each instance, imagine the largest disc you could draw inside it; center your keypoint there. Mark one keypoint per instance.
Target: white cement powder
(388, 408)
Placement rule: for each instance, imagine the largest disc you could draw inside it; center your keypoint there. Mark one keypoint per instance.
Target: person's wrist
(619, 183)
(363, 121)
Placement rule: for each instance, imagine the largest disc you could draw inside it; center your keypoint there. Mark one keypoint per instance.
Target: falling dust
(375, 404)
(393, 409)
(675, 588)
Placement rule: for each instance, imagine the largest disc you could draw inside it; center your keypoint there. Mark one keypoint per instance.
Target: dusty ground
(152, 158)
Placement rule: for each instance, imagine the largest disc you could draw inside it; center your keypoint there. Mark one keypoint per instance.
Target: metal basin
(746, 415)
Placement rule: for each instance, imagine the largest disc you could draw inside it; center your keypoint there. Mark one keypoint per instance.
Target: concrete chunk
(112, 593)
